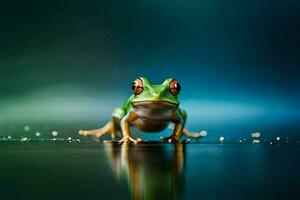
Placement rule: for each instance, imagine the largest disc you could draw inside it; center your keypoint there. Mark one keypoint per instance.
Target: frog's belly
(150, 124)
(152, 120)
(153, 116)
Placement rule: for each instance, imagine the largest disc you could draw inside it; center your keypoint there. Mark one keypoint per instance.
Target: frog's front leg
(179, 118)
(125, 124)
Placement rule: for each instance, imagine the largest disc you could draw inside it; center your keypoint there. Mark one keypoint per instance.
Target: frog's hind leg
(108, 128)
(111, 127)
(179, 130)
(192, 135)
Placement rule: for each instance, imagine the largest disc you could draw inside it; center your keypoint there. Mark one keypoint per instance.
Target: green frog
(151, 108)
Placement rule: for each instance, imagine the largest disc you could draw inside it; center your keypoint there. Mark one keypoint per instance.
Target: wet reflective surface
(151, 171)
(89, 170)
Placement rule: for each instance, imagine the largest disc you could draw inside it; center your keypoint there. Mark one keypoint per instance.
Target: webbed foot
(128, 139)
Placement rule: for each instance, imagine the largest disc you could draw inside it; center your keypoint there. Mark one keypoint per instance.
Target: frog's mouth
(164, 105)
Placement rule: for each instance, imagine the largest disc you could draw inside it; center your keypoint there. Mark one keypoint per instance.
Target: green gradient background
(72, 62)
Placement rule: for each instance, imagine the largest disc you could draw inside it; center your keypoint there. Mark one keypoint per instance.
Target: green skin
(150, 111)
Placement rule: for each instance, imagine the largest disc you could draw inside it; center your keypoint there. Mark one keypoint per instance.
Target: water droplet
(221, 139)
(277, 138)
(54, 133)
(24, 139)
(203, 133)
(26, 128)
(256, 134)
(256, 141)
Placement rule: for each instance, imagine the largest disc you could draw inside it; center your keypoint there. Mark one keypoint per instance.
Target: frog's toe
(122, 140)
(130, 139)
(82, 132)
(135, 141)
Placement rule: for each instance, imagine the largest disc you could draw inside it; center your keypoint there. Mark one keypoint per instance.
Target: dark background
(74, 61)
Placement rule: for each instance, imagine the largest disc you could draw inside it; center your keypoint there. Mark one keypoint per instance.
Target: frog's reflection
(151, 171)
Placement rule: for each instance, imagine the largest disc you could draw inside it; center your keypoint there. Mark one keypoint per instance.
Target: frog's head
(144, 92)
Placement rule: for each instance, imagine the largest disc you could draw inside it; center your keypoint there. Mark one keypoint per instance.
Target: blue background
(72, 62)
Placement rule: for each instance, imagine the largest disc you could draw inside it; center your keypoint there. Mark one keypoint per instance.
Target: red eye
(174, 88)
(137, 86)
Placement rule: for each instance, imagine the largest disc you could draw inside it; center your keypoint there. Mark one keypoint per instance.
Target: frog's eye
(174, 88)
(137, 86)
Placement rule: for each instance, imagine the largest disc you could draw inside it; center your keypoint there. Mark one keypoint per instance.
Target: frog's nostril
(156, 94)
